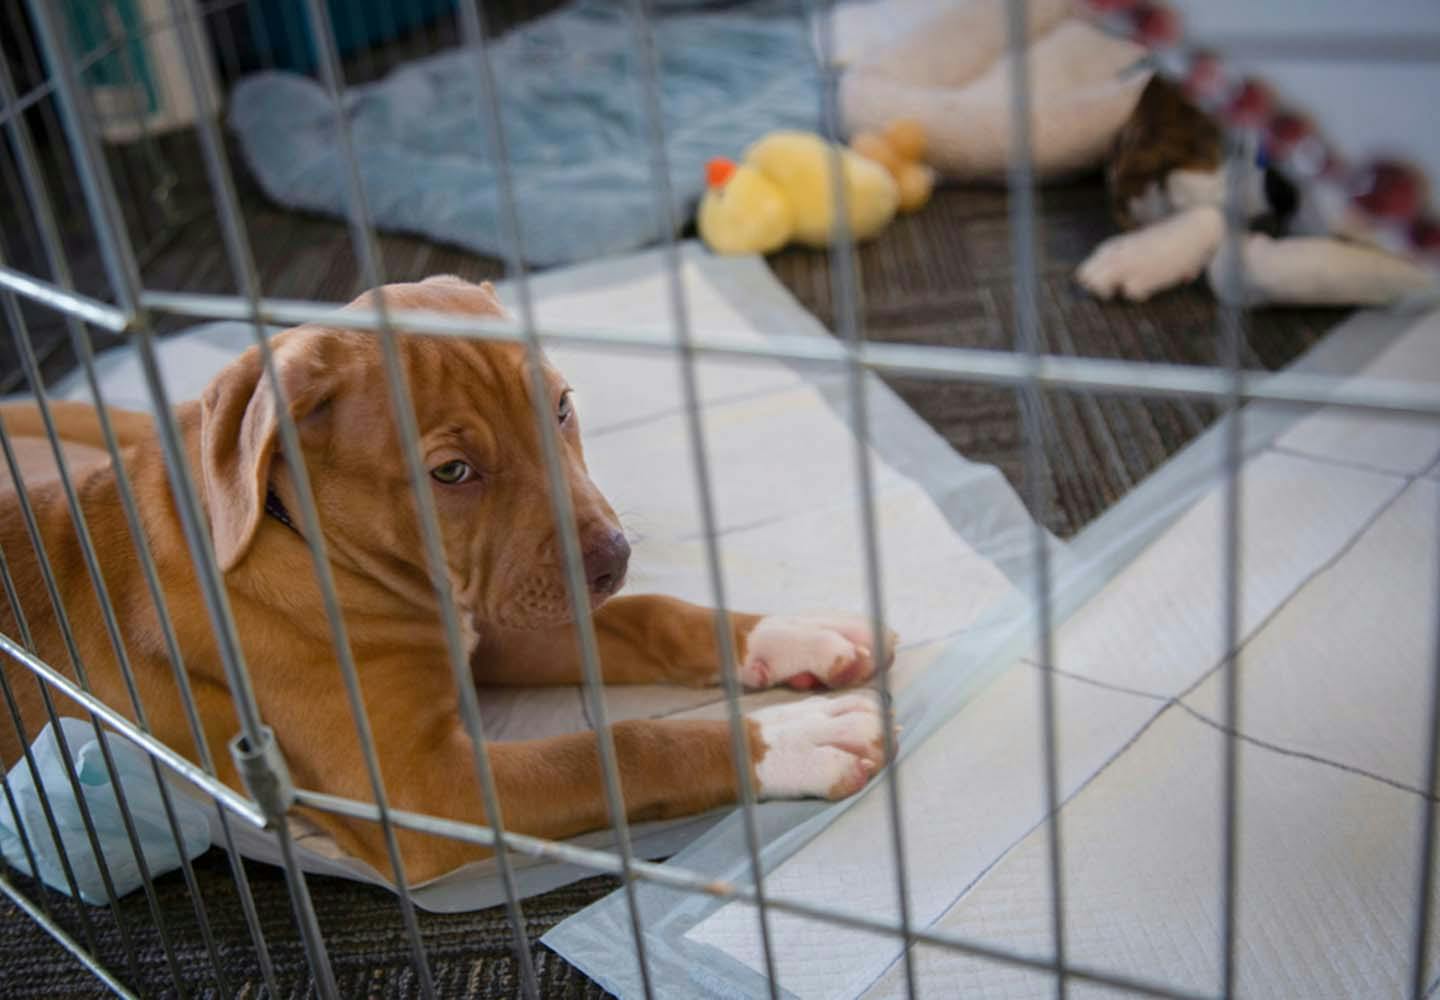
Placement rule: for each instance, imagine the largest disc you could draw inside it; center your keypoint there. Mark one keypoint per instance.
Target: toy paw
(1138, 264)
(900, 149)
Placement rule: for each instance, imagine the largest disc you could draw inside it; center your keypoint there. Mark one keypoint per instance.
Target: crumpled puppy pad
(117, 857)
(1337, 616)
(951, 72)
(782, 461)
(569, 86)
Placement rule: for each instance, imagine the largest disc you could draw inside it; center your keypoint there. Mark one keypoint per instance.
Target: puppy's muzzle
(606, 561)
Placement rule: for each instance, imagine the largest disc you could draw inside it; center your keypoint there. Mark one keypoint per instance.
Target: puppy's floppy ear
(239, 431)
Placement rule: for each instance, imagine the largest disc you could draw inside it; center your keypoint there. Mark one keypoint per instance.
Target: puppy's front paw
(819, 747)
(808, 652)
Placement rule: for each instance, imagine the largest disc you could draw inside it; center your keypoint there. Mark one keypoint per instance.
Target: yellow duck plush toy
(781, 192)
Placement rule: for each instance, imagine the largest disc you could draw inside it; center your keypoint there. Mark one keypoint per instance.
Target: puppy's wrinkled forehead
(461, 382)
(463, 386)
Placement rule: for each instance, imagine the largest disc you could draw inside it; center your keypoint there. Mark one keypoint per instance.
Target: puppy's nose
(605, 564)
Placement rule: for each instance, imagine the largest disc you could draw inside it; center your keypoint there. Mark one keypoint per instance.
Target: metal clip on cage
(265, 773)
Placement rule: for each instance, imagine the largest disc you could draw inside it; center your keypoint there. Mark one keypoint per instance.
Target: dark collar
(277, 510)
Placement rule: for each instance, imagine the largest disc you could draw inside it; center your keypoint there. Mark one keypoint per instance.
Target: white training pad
(1158, 626)
(1327, 866)
(1337, 608)
(783, 468)
(1405, 445)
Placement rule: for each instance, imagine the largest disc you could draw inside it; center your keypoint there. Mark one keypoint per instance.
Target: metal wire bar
(969, 364)
(693, 882)
(24, 837)
(654, 114)
(64, 939)
(102, 866)
(36, 189)
(116, 254)
(163, 176)
(242, 263)
(561, 503)
(1021, 191)
(122, 658)
(64, 300)
(1425, 880)
(23, 238)
(12, 313)
(845, 291)
(30, 63)
(119, 261)
(62, 621)
(227, 639)
(1240, 153)
(363, 240)
(67, 868)
(111, 624)
(181, 765)
(102, 50)
(18, 723)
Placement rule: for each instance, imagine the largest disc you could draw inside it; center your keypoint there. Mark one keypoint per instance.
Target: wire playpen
(77, 72)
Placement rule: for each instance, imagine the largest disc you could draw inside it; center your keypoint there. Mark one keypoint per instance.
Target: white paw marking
(819, 747)
(1136, 265)
(810, 651)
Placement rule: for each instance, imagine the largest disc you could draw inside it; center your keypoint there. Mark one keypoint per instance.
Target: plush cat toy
(1166, 178)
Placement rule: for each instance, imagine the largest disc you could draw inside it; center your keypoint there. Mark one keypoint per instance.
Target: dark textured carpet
(470, 954)
(942, 276)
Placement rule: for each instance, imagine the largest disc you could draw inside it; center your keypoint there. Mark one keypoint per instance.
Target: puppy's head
(479, 440)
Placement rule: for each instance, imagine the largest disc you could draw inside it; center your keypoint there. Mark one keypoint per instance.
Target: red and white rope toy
(1388, 196)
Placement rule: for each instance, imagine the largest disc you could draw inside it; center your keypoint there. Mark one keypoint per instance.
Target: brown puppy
(480, 441)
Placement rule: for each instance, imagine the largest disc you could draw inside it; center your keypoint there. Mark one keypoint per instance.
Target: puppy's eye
(452, 473)
(566, 407)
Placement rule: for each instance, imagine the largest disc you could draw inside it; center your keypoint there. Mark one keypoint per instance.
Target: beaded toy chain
(1387, 195)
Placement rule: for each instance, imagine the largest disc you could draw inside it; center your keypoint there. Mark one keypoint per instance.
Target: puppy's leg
(649, 639)
(78, 429)
(1170, 252)
(76, 423)
(553, 788)
(1317, 271)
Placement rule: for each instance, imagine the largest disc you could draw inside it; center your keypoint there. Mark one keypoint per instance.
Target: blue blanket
(570, 86)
